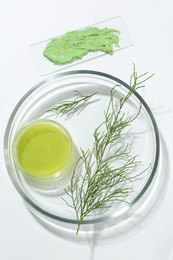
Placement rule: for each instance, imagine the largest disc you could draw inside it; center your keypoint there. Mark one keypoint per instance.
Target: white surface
(23, 23)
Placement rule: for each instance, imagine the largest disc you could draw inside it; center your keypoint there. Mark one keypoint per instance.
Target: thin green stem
(103, 182)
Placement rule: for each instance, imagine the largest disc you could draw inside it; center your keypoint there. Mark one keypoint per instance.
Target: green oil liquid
(42, 148)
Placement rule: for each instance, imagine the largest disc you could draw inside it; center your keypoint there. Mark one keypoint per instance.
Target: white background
(149, 23)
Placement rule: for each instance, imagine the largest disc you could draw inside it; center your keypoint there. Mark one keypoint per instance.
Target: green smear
(42, 148)
(75, 44)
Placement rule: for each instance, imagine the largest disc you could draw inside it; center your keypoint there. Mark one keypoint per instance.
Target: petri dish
(47, 198)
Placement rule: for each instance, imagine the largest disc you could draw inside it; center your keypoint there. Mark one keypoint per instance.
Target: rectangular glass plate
(45, 67)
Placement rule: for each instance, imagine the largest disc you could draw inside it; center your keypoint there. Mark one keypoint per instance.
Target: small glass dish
(45, 200)
(45, 179)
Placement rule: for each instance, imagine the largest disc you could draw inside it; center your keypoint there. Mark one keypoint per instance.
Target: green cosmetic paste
(42, 148)
(75, 44)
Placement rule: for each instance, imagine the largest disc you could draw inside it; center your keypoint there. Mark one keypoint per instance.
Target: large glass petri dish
(45, 197)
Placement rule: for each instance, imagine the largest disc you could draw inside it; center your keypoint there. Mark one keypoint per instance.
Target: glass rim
(58, 76)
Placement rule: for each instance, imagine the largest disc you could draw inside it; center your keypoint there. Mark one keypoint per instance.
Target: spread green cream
(75, 44)
(42, 148)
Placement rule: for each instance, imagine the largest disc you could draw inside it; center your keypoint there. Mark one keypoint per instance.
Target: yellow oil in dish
(42, 148)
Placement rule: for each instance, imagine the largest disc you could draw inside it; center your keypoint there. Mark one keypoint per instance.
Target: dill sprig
(71, 106)
(109, 166)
